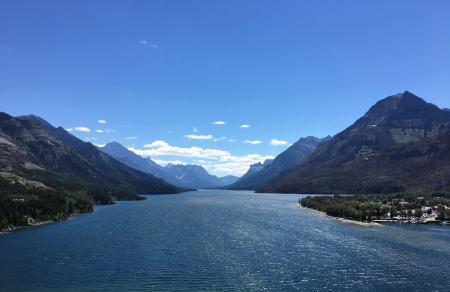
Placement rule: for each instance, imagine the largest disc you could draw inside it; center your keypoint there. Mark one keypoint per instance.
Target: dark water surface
(222, 241)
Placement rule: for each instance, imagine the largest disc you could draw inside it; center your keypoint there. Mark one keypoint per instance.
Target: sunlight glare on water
(222, 241)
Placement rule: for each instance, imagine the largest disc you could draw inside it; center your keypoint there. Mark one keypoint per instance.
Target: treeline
(106, 197)
(370, 207)
(26, 206)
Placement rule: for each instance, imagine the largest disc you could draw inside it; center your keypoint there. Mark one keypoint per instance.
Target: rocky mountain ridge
(287, 159)
(401, 120)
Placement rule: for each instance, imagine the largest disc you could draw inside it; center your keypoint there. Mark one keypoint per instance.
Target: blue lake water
(222, 241)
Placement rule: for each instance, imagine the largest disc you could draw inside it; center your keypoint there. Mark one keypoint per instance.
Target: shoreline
(13, 228)
(347, 221)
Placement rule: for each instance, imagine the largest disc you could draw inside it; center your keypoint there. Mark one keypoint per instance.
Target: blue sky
(223, 84)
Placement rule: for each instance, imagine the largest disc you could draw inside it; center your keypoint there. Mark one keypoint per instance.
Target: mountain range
(34, 149)
(185, 176)
(258, 174)
(399, 145)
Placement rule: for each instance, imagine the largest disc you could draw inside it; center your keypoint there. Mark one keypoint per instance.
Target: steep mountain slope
(195, 176)
(396, 120)
(255, 168)
(287, 159)
(415, 167)
(147, 165)
(33, 152)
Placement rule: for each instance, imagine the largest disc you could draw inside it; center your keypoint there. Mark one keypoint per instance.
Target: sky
(222, 84)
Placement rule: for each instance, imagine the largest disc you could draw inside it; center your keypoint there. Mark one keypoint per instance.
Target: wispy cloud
(110, 131)
(195, 130)
(82, 129)
(199, 137)
(245, 126)
(276, 142)
(102, 121)
(99, 131)
(144, 42)
(219, 123)
(69, 129)
(100, 145)
(231, 140)
(219, 139)
(253, 142)
(130, 138)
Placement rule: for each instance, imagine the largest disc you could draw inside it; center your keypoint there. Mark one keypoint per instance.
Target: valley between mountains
(401, 145)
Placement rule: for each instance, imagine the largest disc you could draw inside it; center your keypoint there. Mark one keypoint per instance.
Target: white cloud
(276, 142)
(214, 160)
(165, 162)
(199, 137)
(99, 131)
(219, 139)
(110, 131)
(245, 126)
(130, 138)
(156, 144)
(69, 129)
(100, 145)
(82, 129)
(238, 165)
(195, 130)
(143, 42)
(161, 148)
(102, 121)
(231, 140)
(253, 142)
(219, 123)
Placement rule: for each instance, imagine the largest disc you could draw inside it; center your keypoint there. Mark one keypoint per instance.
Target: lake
(222, 241)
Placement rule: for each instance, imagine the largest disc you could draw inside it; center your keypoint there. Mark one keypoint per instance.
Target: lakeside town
(426, 214)
(404, 208)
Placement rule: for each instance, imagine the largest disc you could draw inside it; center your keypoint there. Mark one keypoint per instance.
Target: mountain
(195, 176)
(48, 177)
(229, 179)
(58, 159)
(147, 165)
(287, 159)
(391, 132)
(255, 168)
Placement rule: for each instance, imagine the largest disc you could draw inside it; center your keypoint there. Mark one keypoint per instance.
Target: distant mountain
(287, 159)
(229, 179)
(390, 133)
(147, 165)
(38, 151)
(255, 168)
(195, 176)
